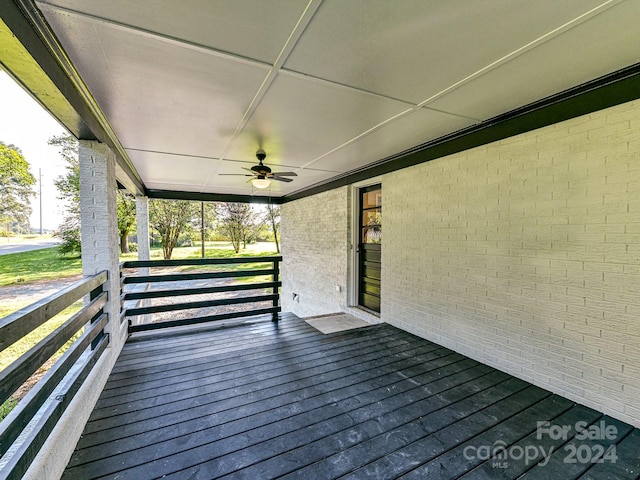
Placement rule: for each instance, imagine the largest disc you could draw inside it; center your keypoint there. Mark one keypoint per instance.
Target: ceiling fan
(262, 175)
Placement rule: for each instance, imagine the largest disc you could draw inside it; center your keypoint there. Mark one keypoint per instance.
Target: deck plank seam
(387, 413)
(257, 375)
(286, 377)
(435, 380)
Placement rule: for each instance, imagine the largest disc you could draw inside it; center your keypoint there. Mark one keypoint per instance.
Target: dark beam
(212, 197)
(607, 91)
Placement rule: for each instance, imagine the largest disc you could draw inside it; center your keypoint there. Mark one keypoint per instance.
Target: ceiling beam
(287, 48)
(607, 91)
(212, 197)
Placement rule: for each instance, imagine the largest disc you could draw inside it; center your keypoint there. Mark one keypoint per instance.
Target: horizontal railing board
(19, 371)
(130, 312)
(196, 291)
(196, 320)
(258, 270)
(16, 325)
(26, 452)
(197, 261)
(177, 277)
(12, 426)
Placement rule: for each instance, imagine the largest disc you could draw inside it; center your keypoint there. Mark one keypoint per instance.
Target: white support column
(144, 251)
(99, 220)
(142, 227)
(100, 251)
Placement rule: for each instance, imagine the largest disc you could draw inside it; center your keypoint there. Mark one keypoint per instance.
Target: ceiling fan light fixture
(261, 183)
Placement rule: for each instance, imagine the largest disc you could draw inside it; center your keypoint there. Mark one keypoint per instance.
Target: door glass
(371, 216)
(372, 226)
(372, 199)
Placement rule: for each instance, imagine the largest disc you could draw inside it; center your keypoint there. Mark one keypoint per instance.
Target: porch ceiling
(193, 89)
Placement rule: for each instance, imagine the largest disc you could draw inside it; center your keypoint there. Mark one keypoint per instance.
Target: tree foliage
(273, 219)
(208, 227)
(16, 186)
(238, 222)
(171, 218)
(68, 186)
(126, 218)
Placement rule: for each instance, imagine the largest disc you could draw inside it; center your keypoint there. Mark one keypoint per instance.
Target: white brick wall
(525, 254)
(315, 239)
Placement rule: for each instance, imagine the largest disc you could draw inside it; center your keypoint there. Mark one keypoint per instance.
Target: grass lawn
(45, 264)
(212, 250)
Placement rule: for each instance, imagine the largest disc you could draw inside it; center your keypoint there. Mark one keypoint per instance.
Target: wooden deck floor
(265, 400)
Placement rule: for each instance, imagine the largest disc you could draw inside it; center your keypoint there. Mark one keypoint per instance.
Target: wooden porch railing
(83, 355)
(258, 270)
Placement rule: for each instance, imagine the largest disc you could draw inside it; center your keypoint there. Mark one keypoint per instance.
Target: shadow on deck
(264, 400)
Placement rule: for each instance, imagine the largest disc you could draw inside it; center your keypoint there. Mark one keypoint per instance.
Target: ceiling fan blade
(263, 172)
(280, 179)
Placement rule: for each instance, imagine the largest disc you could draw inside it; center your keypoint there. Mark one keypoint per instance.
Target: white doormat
(337, 322)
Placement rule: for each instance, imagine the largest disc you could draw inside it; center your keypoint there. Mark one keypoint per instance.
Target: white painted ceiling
(193, 88)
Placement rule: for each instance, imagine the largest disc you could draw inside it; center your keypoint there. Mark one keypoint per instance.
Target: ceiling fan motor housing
(262, 172)
(261, 169)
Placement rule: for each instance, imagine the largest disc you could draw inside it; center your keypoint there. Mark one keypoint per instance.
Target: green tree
(204, 227)
(16, 186)
(68, 186)
(237, 222)
(171, 218)
(273, 219)
(126, 218)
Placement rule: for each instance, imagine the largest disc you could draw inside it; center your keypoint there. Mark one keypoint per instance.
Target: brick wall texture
(315, 241)
(523, 254)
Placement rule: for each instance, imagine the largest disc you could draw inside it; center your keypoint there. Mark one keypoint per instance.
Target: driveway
(26, 245)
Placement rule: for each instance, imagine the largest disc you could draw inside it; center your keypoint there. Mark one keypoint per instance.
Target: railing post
(276, 290)
(92, 296)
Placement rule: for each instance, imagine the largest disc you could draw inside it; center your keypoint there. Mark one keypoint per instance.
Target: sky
(25, 124)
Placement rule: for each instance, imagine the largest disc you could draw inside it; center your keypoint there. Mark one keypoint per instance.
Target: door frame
(354, 223)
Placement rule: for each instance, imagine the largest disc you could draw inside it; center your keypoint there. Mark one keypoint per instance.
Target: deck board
(264, 400)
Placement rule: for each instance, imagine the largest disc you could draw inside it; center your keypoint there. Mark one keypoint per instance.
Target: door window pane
(372, 217)
(372, 235)
(372, 199)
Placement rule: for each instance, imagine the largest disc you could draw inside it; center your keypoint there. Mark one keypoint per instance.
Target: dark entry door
(370, 247)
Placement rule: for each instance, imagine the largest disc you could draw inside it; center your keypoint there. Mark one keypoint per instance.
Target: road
(26, 245)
